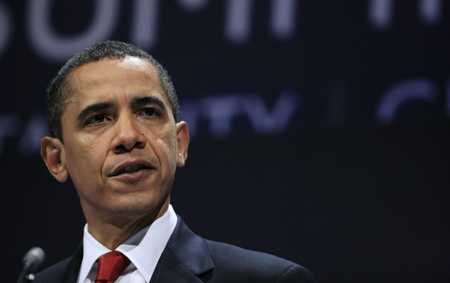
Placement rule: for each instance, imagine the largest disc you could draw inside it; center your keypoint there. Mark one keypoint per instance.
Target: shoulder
(219, 262)
(53, 273)
(234, 262)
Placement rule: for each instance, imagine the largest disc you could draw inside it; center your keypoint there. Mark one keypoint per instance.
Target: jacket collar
(185, 258)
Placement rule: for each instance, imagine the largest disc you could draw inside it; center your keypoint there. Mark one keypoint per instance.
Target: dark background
(291, 153)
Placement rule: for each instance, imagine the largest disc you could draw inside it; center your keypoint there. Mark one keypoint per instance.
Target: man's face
(121, 143)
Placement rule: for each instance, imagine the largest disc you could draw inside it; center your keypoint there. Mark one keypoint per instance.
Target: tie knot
(110, 266)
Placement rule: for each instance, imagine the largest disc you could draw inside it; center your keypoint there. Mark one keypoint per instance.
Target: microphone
(31, 262)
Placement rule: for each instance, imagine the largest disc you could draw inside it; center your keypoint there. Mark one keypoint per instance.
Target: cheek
(168, 152)
(84, 158)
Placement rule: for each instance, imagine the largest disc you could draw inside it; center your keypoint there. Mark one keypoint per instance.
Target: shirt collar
(143, 248)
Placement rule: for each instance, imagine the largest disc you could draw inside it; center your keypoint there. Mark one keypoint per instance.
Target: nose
(128, 135)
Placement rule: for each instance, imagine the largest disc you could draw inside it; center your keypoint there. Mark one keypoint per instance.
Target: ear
(52, 151)
(183, 143)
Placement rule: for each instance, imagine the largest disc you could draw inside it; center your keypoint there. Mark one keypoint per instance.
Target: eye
(96, 119)
(150, 112)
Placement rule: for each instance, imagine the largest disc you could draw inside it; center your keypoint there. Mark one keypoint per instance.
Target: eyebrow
(146, 100)
(93, 108)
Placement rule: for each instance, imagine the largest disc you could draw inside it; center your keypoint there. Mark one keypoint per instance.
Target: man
(112, 112)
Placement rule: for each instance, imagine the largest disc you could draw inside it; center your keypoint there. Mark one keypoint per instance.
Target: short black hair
(57, 92)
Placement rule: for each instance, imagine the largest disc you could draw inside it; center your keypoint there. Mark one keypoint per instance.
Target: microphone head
(34, 258)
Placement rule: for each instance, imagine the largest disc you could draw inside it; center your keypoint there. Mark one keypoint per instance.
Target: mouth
(131, 168)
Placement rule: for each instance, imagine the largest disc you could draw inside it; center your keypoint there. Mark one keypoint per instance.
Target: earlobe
(183, 143)
(52, 152)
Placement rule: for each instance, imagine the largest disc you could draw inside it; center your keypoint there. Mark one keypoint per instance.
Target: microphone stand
(26, 276)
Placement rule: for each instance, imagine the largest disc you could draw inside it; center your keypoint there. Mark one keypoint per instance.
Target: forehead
(113, 79)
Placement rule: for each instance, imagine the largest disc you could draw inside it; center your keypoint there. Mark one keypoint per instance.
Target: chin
(138, 207)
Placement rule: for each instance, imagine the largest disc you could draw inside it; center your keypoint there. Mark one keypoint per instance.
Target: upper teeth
(131, 169)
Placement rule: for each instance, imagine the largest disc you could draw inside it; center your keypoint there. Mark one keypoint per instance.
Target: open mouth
(130, 168)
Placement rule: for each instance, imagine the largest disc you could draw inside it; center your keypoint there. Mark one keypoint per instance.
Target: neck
(113, 232)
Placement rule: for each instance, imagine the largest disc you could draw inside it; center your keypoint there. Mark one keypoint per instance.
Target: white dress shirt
(143, 249)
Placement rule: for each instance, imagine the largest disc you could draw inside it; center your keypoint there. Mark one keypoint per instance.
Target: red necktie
(110, 265)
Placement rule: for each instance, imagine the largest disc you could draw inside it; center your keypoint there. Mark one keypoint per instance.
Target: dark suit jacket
(190, 258)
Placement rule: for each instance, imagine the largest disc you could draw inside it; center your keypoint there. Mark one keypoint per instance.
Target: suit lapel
(185, 258)
(71, 273)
